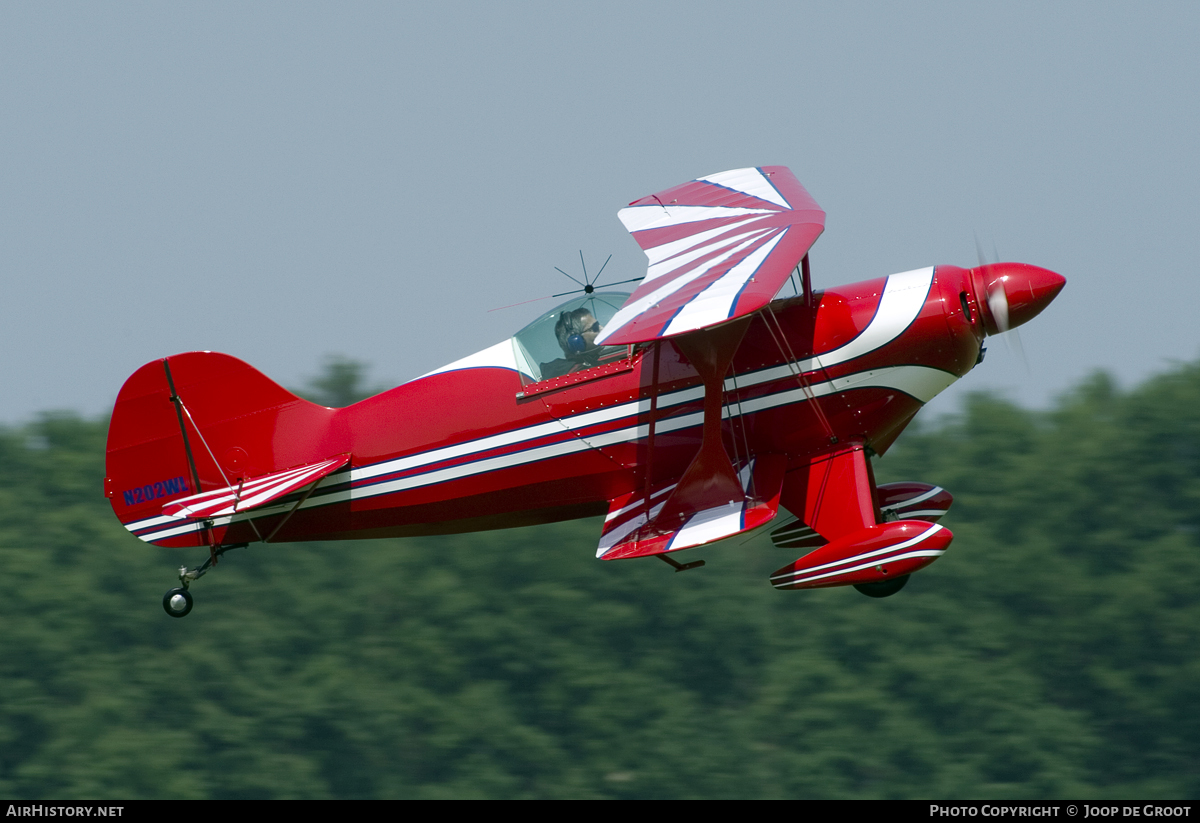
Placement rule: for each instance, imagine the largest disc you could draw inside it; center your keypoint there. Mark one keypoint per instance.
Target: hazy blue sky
(281, 181)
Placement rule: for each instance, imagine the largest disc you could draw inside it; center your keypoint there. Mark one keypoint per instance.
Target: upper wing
(720, 247)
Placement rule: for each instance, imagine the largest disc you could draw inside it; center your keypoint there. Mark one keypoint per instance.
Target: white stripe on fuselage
(914, 380)
(902, 299)
(499, 356)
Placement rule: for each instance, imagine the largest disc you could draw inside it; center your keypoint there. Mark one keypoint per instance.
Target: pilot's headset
(576, 344)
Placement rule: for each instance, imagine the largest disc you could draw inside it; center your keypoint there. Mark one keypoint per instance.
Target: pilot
(576, 331)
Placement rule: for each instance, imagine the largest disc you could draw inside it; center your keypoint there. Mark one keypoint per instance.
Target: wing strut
(650, 426)
(806, 279)
(793, 364)
(710, 480)
(293, 509)
(714, 499)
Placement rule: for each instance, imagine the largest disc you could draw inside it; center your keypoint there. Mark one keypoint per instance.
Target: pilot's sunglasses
(595, 327)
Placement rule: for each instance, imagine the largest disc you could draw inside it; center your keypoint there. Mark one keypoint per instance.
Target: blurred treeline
(1053, 652)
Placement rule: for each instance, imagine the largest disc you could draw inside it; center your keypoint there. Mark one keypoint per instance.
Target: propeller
(997, 301)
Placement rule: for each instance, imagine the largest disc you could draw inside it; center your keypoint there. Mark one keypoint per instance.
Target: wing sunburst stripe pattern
(676, 247)
(756, 185)
(718, 248)
(635, 309)
(714, 304)
(701, 254)
(657, 216)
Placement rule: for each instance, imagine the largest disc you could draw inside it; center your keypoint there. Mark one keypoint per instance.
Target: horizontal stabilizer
(254, 493)
(913, 501)
(632, 531)
(797, 535)
(719, 248)
(897, 501)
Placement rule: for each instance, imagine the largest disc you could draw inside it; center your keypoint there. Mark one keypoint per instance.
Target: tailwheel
(883, 588)
(177, 602)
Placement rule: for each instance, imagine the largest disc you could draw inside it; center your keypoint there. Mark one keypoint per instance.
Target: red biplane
(686, 412)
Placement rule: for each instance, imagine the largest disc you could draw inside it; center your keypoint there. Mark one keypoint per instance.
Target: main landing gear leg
(679, 567)
(178, 601)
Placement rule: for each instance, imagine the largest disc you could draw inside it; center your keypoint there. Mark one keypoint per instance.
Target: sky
(288, 181)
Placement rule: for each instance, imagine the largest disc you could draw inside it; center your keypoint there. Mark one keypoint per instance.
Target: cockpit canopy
(539, 352)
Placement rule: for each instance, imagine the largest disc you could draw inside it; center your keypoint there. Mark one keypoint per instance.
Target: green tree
(1050, 653)
(342, 382)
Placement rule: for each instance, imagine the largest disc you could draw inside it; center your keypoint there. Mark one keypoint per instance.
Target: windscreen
(539, 346)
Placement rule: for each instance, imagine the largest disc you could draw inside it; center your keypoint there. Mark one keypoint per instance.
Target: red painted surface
(870, 555)
(809, 387)
(833, 493)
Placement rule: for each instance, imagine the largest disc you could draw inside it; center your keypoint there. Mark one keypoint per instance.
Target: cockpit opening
(562, 340)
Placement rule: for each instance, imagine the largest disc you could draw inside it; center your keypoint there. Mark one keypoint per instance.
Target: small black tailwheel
(883, 588)
(177, 602)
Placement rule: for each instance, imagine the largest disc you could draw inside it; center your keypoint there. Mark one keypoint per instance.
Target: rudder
(230, 422)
